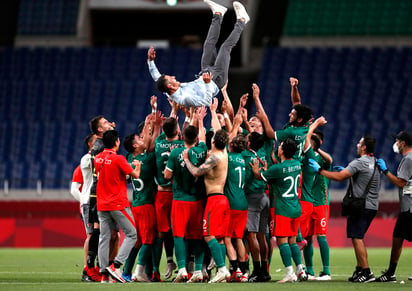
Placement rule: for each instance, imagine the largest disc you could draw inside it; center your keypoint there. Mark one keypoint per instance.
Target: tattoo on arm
(209, 164)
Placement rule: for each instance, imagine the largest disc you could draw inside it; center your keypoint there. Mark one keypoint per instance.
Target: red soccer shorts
(286, 226)
(145, 219)
(216, 217)
(237, 224)
(163, 207)
(187, 219)
(307, 209)
(320, 220)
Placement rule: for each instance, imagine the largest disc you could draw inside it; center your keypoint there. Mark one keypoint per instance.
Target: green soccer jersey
(253, 185)
(163, 148)
(235, 182)
(184, 183)
(143, 186)
(308, 176)
(320, 187)
(283, 180)
(296, 133)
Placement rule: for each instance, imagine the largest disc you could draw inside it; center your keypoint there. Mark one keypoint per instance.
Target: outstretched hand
(381, 165)
(293, 81)
(151, 54)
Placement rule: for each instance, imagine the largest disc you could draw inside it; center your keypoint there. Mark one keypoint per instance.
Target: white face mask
(395, 148)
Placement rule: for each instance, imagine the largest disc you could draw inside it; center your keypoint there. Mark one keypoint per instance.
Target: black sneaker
(365, 277)
(355, 275)
(85, 277)
(254, 278)
(385, 277)
(265, 277)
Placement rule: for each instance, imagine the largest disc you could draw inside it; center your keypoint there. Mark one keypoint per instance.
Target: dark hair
(289, 148)
(128, 142)
(161, 84)
(109, 138)
(87, 139)
(304, 112)
(94, 124)
(316, 140)
(221, 139)
(370, 142)
(239, 143)
(140, 127)
(256, 140)
(190, 134)
(170, 127)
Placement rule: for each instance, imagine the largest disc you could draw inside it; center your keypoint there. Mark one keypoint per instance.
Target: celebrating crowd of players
(233, 189)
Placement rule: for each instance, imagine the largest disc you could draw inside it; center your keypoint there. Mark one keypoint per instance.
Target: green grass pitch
(59, 269)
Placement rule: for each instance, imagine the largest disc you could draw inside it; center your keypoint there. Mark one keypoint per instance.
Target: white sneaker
(291, 277)
(216, 8)
(211, 265)
(181, 276)
(139, 274)
(222, 276)
(197, 277)
(311, 277)
(240, 11)
(245, 277)
(323, 277)
(169, 270)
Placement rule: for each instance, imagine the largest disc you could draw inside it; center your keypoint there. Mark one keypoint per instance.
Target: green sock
(308, 255)
(216, 252)
(157, 253)
(131, 259)
(198, 251)
(285, 254)
(324, 253)
(223, 250)
(299, 237)
(144, 254)
(297, 257)
(180, 251)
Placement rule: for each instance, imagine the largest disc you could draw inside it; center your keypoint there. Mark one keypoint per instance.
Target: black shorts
(357, 226)
(403, 226)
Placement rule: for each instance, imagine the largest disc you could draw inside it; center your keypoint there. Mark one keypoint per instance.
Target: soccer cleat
(156, 277)
(222, 276)
(265, 276)
(169, 270)
(236, 275)
(127, 277)
(115, 273)
(197, 277)
(105, 279)
(216, 8)
(240, 11)
(291, 277)
(301, 273)
(365, 277)
(205, 274)
(255, 277)
(139, 274)
(93, 274)
(410, 278)
(355, 275)
(385, 277)
(311, 277)
(323, 277)
(181, 276)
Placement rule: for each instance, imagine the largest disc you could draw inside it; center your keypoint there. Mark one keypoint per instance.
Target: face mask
(395, 148)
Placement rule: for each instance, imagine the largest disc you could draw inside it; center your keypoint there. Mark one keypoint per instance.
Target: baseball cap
(404, 136)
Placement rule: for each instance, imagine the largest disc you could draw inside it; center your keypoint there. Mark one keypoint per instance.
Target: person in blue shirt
(214, 65)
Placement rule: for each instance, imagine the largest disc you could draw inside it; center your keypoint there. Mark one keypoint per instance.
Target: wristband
(320, 170)
(386, 172)
(153, 110)
(187, 119)
(225, 115)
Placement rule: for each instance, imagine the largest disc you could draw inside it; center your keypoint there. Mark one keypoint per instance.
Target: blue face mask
(395, 148)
